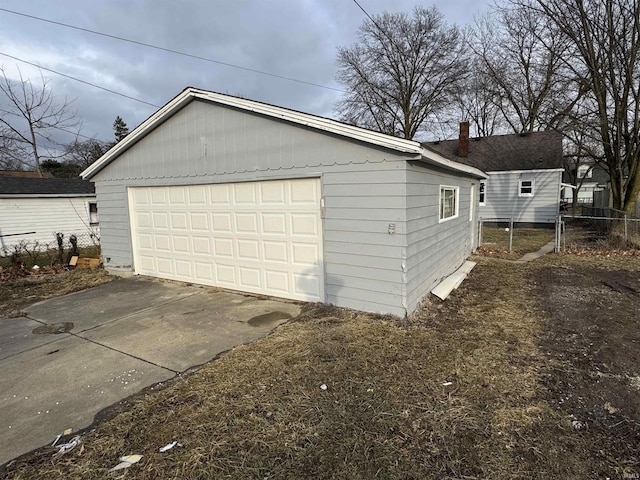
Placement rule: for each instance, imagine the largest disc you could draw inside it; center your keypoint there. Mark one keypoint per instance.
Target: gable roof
(308, 120)
(498, 153)
(35, 187)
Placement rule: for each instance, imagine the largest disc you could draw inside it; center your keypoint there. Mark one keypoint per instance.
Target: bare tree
(30, 118)
(522, 57)
(402, 71)
(605, 35)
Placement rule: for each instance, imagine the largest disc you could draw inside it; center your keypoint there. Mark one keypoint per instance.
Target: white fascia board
(312, 121)
(433, 158)
(539, 170)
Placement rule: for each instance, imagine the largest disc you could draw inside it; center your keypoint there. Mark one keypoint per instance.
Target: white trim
(533, 187)
(527, 171)
(308, 120)
(456, 198)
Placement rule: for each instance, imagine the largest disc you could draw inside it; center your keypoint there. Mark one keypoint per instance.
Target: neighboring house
(224, 191)
(35, 209)
(590, 178)
(525, 173)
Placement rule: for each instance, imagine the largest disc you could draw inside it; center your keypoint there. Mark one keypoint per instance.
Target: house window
(448, 203)
(483, 192)
(585, 171)
(93, 213)
(526, 187)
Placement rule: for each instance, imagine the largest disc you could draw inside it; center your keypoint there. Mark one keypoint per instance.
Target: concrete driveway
(72, 356)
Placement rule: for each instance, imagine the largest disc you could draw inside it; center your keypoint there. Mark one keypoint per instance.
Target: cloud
(292, 38)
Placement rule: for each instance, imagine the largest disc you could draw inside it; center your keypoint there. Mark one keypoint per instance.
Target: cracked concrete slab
(126, 335)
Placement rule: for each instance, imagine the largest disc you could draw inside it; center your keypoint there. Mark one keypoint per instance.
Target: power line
(359, 6)
(79, 80)
(176, 52)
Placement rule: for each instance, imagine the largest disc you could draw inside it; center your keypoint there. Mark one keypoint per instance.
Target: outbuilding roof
(308, 120)
(498, 153)
(59, 187)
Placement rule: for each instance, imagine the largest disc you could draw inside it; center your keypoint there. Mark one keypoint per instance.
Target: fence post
(510, 234)
(625, 226)
(480, 233)
(557, 239)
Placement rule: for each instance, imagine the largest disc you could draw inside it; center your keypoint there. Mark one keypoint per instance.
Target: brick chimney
(463, 140)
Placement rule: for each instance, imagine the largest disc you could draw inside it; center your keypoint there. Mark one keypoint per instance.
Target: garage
(259, 237)
(238, 194)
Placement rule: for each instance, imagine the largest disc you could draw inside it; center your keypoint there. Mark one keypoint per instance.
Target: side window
(448, 202)
(483, 192)
(93, 213)
(526, 187)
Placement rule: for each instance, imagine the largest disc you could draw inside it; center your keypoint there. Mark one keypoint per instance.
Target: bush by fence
(56, 252)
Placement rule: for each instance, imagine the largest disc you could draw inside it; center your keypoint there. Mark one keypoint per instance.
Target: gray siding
(363, 190)
(503, 201)
(435, 249)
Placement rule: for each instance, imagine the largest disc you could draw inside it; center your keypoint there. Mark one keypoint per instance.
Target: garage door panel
(249, 278)
(197, 195)
(158, 196)
(248, 250)
(164, 265)
(220, 194)
(306, 254)
(162, 242)
(223, 247)
(204, 272)
(179, 221)
(276, 282)
(181, 244)
(247, 223)
(199, 222)
(244, 194)
(275, 251)
(160, 220)
(177, 196)
(221, 222)
(272, 193)
(304, 224)
(274, 223)
(261, 237)
(226, 274)
(183, 268)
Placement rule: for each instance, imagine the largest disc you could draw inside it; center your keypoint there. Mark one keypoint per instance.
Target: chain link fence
(58, 251)
(597, 228)
(506, 238)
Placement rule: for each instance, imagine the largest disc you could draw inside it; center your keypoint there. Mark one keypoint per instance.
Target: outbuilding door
(260, 237)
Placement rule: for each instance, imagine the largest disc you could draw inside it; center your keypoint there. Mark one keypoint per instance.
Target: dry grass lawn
(495, 241)
(455, 391)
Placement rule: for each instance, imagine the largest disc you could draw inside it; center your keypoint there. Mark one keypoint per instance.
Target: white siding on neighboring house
(503, 198)
(44, 216)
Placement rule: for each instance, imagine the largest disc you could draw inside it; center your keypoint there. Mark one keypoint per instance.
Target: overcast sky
(291, 38)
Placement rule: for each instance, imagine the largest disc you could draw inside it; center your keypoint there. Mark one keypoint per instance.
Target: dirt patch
(22, 288)
(592, 340)
(54, 328)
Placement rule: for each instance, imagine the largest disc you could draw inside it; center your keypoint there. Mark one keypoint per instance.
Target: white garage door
(260, 237)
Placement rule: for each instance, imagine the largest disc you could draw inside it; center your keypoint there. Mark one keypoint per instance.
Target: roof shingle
(530, 151)
(45, 186)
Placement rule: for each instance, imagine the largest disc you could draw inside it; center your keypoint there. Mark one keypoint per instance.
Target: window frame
(482, 193)
(588, 173)
(95, 221)
(456, 203)
(533, 187)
